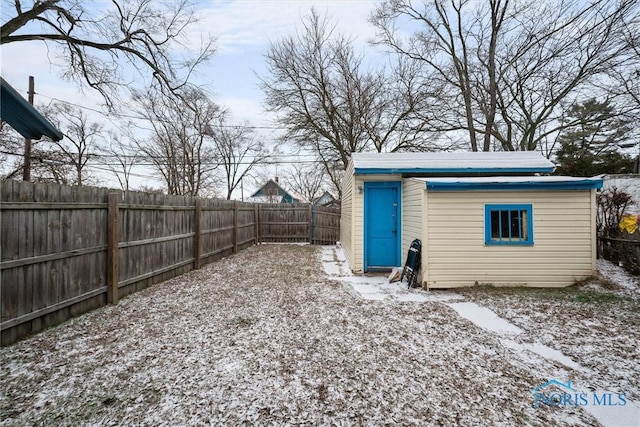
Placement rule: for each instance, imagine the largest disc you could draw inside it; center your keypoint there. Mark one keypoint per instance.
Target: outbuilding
(483, 218)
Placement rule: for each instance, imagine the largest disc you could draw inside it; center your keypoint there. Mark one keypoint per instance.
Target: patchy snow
(588, 333)
(529, 353)
(334, 262)
(541, 350)
(484, 318)
(265, 337)
(377, 288)
(619, 276)
(374, 287)
(607, 415)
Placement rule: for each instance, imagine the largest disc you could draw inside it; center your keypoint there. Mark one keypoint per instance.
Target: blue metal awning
(21, 115)
(512, 183)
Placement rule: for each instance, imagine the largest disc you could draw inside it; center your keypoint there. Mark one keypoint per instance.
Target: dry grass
(263, 338)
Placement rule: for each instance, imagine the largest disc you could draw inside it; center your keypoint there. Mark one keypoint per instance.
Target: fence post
(197, 246)
(112, 248)
(235, 227)
(310, 224)
(258, 214)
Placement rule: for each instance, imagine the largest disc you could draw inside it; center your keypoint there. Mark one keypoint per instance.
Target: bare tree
(505, 71)
(99, 39)
(307, 179)
(48, 165)
(51, 166)
(81, 138)
(10, 146)
(179, 146)
(626, 75)
(237, 151)
(120, 155)
(330, 103)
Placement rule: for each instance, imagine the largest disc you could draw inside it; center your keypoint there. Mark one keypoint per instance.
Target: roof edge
(402, 171)
(583, 184)
(23, 117)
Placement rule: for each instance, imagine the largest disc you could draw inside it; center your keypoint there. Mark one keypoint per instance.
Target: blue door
(381, 225)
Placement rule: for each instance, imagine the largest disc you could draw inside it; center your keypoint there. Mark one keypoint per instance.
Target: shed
(483, 218)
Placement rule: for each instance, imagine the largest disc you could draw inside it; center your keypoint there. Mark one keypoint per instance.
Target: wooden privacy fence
(298, 223)
(67, 250)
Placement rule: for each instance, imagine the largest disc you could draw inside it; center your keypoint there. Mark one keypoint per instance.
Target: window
(508, 225)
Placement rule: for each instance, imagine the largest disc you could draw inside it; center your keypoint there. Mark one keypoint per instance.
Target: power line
(162, 163)
(139, 117)
(137, 175)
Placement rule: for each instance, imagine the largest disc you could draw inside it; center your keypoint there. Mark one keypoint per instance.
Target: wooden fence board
(54, 246)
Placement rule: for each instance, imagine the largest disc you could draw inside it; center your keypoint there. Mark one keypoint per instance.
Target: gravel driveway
(265, 338)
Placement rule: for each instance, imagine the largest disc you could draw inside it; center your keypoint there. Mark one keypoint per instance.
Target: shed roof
(512, 183)
(23, 117)
(455, 162)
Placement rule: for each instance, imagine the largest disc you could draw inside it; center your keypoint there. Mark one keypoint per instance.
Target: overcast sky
(242, 30)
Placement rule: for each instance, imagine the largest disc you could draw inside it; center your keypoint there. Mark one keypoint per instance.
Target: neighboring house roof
(325, 198)
(23, 117)
(334, 204)
(272, 192)
(456, 162)
(265, 199)
(299, 197)
(511, 183)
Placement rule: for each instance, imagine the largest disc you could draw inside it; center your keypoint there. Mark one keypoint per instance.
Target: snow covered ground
(591, 332)
(265, 337)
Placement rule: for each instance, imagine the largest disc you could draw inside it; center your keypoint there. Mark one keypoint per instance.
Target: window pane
(515, 224)
(504, 225)
(523, 222)
(495, 225)
(508, 224)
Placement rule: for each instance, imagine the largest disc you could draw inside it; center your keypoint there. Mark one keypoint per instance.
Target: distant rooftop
(451, 163)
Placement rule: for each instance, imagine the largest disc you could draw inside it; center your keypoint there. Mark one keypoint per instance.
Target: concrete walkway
(377, 288)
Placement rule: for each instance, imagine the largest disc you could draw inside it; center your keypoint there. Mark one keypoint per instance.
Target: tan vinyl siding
(357, 263)
(412, 215)
(412, 198)
(346, 214)
(563, 234)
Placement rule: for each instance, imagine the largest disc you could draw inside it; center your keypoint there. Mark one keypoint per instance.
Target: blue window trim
(385, 184)
(504, 207)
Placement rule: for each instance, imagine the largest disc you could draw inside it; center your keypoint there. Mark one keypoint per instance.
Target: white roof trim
(509, 161)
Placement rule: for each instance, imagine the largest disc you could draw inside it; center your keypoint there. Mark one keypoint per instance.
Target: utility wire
(139, 117)
(163, 163)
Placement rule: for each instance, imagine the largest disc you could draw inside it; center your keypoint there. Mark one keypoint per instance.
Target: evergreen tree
(589, 143)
